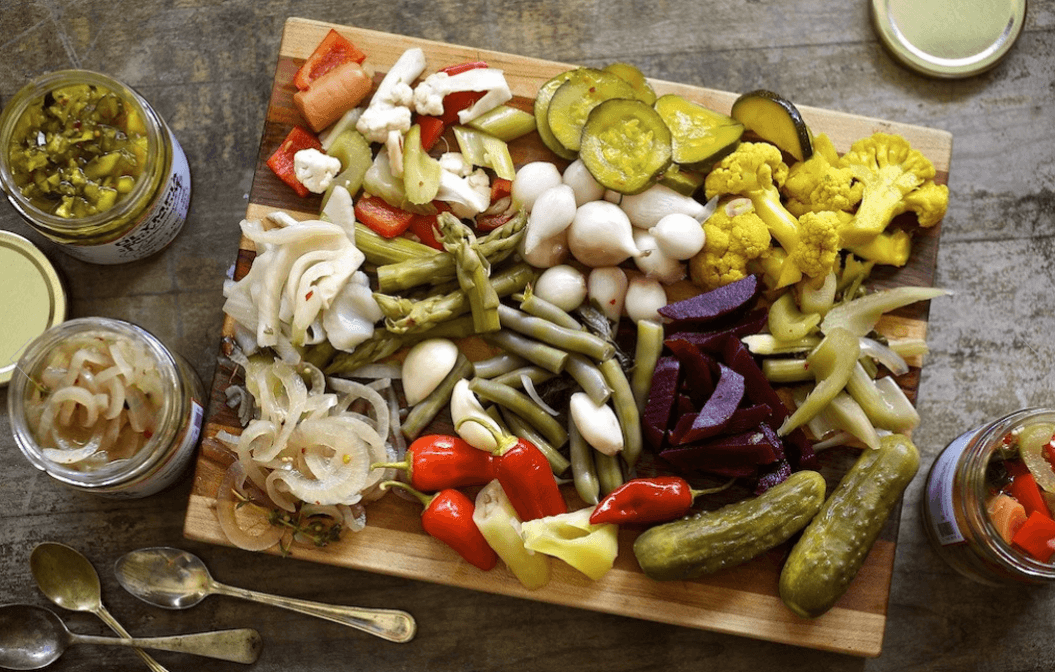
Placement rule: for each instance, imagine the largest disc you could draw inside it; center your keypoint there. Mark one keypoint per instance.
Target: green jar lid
(32, 299)
(949, 38)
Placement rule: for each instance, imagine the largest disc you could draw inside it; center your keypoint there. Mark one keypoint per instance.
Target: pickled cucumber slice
(542, 102)
(625, 145)
(573, 101)
(774, 119)
(700, 136)
(635, 78)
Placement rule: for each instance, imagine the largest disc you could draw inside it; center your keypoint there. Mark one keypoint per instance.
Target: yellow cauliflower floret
(890, 170)
(818, 243)
(735, 236)
(821, 182)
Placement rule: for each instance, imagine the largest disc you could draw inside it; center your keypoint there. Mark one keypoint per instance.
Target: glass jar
(954, 507)
(126, 425)
(88, 164)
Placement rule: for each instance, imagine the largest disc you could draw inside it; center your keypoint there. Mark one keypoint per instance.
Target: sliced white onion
(261, 535)
(529, 387)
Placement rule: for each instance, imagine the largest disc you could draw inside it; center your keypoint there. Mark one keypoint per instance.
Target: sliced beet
(698, 369)
(661, 398)
(716, 412)
(744, 451)
(710, 306)
(773, 475)
(712, 340)
(747, 417)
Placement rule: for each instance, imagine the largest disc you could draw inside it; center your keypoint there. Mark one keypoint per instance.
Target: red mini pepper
(335, 49)
(281, 162)
(386, 220)
(645, 500)
(448, 516)
(437, 461)
(1036, 536)
(526, 477)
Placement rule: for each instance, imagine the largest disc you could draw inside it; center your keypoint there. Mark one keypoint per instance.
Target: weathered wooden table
(207, 68)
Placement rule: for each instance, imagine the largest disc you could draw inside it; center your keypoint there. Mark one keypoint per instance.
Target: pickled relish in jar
(77, 150)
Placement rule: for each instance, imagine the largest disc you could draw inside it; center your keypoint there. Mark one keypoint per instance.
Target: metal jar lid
(949, 38)
(32, 299)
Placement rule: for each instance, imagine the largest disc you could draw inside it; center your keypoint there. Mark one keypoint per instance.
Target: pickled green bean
(552, 334)
(546, 356)
(609, 471)
(532, 304)
(589, 378)
(514, 378)
(428, 408)
(625, 409)
(503, 362)
(647, 351)
(583, 469)
(523, 430)
(522, 405)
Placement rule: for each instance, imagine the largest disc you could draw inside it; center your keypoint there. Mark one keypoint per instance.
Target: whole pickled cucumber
(833, 547)
(707, 542)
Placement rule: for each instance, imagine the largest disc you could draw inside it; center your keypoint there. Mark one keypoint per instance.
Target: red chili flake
(307, 297)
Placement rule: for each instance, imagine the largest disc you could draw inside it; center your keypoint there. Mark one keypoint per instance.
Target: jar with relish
(88, 164)
(990, 498)
(102, 406)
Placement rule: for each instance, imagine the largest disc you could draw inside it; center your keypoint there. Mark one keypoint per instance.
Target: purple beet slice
(661, 398)
(716, 412)
(717, 303)
(738, 452)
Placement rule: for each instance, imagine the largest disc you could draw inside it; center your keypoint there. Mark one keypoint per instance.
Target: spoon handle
(106, 618)
(391, 624)
(239, 646)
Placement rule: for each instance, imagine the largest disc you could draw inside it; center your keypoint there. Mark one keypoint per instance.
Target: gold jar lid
(32, 299)
(949, 38)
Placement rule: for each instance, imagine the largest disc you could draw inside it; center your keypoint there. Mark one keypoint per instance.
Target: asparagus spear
(473, 271)
(439, 268)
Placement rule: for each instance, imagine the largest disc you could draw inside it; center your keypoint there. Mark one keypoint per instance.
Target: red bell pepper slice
(500, 188)
(335, 49)
(431, 130)
(1036, 536)
(386, 220)
(281, 162)
(424, 226)
(432, 127)
(1025, 490)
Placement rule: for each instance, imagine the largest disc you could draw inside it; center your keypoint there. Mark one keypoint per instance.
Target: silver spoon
(33, 637)
(175, 579)
(69, 580)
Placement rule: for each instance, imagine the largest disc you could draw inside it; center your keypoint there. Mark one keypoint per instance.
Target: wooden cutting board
(742, 600)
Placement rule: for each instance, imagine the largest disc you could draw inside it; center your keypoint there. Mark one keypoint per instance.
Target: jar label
(942, 518)
(157, 227)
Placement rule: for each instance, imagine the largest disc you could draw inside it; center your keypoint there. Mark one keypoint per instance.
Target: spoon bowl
(175, 579)
(68, 579)
(30, 637)
(33, 637)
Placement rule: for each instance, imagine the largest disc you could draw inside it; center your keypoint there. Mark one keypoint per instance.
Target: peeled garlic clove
(586, 187)
(644, 297)
(606, 286)
(653, 262)
(563, 286)
(531, 180)
(678, 235)
(425, 367)
(470, 419)
(601, 235)
(598, 424)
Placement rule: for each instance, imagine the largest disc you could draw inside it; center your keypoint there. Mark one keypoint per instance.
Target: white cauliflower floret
(315, 170)
(455, 162)
(429, 94)
(468, 196)
(389, 109)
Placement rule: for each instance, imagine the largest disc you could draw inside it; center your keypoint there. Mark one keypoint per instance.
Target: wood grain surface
(741, 600)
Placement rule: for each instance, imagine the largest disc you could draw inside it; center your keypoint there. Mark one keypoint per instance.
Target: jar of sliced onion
(102, 406)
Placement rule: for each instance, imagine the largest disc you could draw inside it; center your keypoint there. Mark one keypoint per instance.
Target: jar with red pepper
(989, 505)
